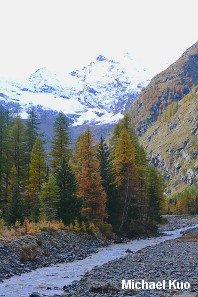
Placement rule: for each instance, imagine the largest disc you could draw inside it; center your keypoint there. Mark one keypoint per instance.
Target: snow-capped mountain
(99, 93)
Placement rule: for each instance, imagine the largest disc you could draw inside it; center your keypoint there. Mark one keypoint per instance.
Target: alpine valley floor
(152, 262)
(171, 260)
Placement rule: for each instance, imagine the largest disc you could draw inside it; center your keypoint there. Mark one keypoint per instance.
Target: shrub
(105, 229)
(135, 229)
(61, 225)
(83, 227)
(76, 226)
(2, 224)
(71, 227)
(17, 224)
(27, 254)
(92, 228)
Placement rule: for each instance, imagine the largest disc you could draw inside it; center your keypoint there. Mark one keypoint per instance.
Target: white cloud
(67, 34)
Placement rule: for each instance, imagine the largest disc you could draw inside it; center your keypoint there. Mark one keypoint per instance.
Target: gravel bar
(42, 250)
(171, 260)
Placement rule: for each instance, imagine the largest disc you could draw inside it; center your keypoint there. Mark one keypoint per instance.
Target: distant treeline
(185, 202)
(95, 182)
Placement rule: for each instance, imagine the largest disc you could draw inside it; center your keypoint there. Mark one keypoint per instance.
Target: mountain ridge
(165, 115)
(169, 85)
(172, 144)
(99, 92)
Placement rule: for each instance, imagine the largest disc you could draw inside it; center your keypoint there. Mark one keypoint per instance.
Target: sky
(64, 35)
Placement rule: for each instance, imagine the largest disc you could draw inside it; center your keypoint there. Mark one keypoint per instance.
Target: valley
(99, 149)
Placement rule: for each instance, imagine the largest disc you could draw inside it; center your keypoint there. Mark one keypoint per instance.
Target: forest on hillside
(111, 186)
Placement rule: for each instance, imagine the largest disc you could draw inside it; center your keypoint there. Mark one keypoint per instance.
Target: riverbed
(51, 280)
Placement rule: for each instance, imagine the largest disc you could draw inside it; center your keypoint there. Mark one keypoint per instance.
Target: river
(50, 280)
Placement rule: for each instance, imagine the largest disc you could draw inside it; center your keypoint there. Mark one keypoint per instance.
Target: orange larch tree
(125, 170)
(88, 176)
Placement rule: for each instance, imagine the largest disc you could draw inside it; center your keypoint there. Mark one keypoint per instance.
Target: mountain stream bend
(50, 280)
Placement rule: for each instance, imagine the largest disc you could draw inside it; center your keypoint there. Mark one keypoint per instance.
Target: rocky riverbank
(168, 260)
(32, 252)
(171, 260)
(176, 222)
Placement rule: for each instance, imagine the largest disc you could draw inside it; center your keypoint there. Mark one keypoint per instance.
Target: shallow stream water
(50, 280)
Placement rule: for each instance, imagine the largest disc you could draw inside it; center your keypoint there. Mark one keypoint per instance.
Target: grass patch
(8, 233)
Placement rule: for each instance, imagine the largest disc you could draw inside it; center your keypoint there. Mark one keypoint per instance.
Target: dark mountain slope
(167, 87)
(172, 143)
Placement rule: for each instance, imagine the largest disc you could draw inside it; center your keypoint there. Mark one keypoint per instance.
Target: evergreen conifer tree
(15, 207)
(17, 150)
(37, 175)
(155, 193)
(69, 205)
(60, 141)
(49, 199)
(31, 133)
(4, 164)
(106, 171)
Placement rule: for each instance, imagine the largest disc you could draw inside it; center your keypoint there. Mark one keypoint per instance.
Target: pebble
(175, 259)
(42, 250)
(166, 261)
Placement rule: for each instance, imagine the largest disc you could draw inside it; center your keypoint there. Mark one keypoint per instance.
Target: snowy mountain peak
(100, 58)
(100, 92)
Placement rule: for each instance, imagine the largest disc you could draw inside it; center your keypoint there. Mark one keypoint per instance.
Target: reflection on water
(50, 280)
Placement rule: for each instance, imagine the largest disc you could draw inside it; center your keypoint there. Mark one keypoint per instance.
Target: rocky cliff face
(172, 143)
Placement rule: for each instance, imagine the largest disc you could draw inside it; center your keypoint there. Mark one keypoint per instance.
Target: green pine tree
(15, 207)
(108, 178)
(8, 161)
(37, 176)
(69, 205)
(31, 133)
(17, 149)
(60, 141)
(15, 210)
(4, 164)
(155, 194)
(49, 199)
